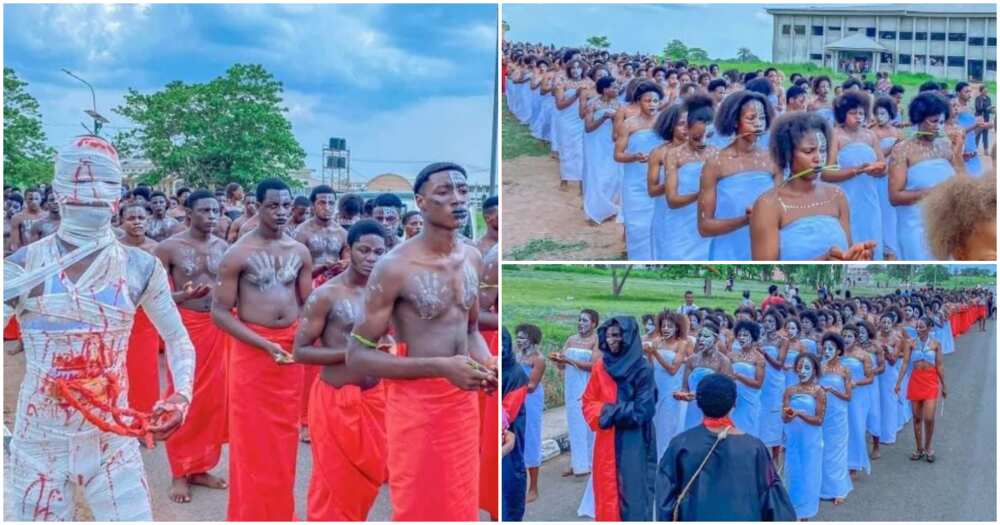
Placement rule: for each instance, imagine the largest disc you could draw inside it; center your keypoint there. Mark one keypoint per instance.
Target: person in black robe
(514, 475)
(738, 482)
(619, 403)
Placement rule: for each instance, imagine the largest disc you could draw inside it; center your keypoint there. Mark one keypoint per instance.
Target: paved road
(206, 504)
(960, 486)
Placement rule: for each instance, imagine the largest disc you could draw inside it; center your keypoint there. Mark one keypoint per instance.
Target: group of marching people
(812, 382)
(700, 165)
(261, 303)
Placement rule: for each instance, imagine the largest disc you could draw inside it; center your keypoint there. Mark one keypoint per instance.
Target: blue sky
(408, 83)
(718, 29)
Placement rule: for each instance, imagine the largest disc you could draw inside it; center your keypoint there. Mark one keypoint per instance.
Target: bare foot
(838, 501)
(532, 496)
(876, 453)
(180, 491)
(567, 473)
(854, 475)
(205, 479)
(304, 434)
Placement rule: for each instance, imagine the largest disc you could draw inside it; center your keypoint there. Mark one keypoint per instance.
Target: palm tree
(600, 42)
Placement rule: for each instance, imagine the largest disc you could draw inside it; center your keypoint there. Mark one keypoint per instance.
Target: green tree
(600, 42)
(697, 54)
(934, 274)
(230, 129)
(745, 55)
(616, 283)
(676, 50)
(27, 160)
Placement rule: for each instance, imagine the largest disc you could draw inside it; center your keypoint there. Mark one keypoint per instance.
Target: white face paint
(863, 335)
(861, 118)
(822, 146)
(706, 339)
(650, 326)
(668, 329)
(760, 117)
(793, 329)
(575, 72)
(886, 324)
(881, 116)
(805, 370)
(770, 323)
(744, 338)
(829, 351)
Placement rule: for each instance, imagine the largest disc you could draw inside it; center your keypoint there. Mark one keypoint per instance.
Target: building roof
(389, 182)
(855, 42)
(975, 10)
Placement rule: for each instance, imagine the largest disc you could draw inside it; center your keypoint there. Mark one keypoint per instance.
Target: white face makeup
(575, 72)
(760, 117)
(706, 339)
(805, 370)
(863, 335)
(882, 116)
(770, 323)
(793, 329)
(668, 329)
(650, 327)
(829, 350)
(861, 118)
(744, 338)
(822, 146)
(886, 323)
(522, 341)
(584, 325)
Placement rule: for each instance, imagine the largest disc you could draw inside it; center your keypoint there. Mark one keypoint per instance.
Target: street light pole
(493, 150)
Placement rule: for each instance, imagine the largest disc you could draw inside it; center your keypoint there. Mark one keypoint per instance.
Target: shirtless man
(50, 223)
(492, 219)
(427, 289)
(179, 212)
(347, 419)
(160, 226)
(192, 260)
(12, 206)
(266, 276)
(20, 224)
(246, 222)
(387, 208)
(322, 235)
(300, 211)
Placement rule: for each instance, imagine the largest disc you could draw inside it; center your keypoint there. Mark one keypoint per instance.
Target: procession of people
(282, 320)
(703, 164)
(808, 395)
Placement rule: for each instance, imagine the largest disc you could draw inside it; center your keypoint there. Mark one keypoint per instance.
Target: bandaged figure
(75, 295)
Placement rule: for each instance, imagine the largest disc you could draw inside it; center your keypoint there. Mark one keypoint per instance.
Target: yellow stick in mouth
(803, 173)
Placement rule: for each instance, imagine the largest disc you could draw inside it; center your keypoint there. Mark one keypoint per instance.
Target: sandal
(930, 457)
(917, 456)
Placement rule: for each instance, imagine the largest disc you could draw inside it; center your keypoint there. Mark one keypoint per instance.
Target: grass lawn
(552, 299)
(517, 139)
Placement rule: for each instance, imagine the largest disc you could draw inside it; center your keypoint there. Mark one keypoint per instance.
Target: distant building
(952, 41)
(856, 275)
(389, 182)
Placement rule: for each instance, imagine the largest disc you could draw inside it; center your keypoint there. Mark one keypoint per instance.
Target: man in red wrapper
(266, 276)
(428, 289)
(489, 403)
(192, 260)
(347, 409)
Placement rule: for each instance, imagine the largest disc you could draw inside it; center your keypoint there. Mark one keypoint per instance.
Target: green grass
(535, 247)
(551, 297)
(517, 139)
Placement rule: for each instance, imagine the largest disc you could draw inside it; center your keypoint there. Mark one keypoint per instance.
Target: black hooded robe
(514, 475)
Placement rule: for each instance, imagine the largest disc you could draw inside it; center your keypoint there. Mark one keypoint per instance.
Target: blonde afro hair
(952, 210)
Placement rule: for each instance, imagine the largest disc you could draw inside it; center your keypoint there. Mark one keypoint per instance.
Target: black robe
(739, 482)
(513, 473)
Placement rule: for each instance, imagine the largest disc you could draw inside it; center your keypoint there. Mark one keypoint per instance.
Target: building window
(853, 29)
(906, 35)
(904, 60)
(991, 65)
(976, 41)
(833, 28)
(817, 30)
(870, 32)
(937, 60)
(956, 37)
(991, 41)
(886, 58)
(887, 35)
(786, 29)
(956, 61)
(800, 30)
(937, 37)
(816, 56)
(920, 35)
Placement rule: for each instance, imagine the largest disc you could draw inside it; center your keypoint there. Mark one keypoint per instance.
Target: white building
(953, 41)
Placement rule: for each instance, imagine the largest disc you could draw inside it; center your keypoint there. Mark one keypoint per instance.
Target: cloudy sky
(404, 83)
(645, 27)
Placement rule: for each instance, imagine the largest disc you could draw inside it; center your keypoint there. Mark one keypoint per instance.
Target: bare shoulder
(473, 255)
(20, 257)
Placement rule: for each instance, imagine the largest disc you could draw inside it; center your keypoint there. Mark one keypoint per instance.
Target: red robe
(264, 407)
(12, 331)
(489, 451)
(142, 364)
(602, 390)
(348, 449)
(196, 446)
(432, 429)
